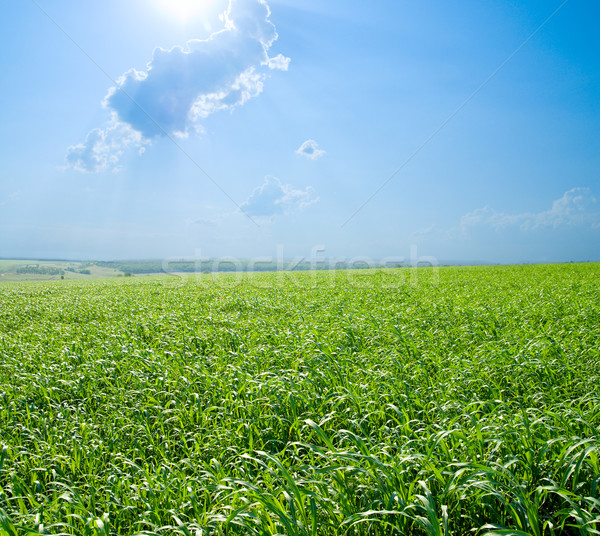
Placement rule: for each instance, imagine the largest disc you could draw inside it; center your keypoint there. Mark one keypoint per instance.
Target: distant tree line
(84, 271)
(225, 265)
(133, 267)
(39, 270)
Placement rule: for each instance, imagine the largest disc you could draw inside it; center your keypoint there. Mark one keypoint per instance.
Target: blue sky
(154, 128)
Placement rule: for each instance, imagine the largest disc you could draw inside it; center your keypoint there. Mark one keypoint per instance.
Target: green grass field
(459, 401)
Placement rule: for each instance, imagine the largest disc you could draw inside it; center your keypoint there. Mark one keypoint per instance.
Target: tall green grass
(346, 403)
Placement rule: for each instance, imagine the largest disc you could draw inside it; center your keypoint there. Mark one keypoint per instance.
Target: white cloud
(184, 85)
(577, 207)
(247, 85)
(10, 198)
(310, 149)
(279, 62)
(273, 198)
(431, 229)
(102, 148)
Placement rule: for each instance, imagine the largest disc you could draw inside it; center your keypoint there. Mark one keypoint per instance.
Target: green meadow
(372, 402)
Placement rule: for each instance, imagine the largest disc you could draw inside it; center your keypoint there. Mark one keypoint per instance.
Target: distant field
(40, 270)
(374, 402)
(27, 270)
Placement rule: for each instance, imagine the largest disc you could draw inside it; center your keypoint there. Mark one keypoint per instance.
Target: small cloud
(102, 148)
(273, 198)
(425, 232)
(10, 198)
(577, 207)
(310, 149)
(185, 84)
(279, 62)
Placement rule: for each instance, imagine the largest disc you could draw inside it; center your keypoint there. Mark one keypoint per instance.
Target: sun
(184, 10)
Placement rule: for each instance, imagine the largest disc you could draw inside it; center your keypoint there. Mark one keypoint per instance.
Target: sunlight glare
(184, 10)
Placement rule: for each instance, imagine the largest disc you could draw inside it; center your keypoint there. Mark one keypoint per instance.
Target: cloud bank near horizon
(183, 85)
(577, 207)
